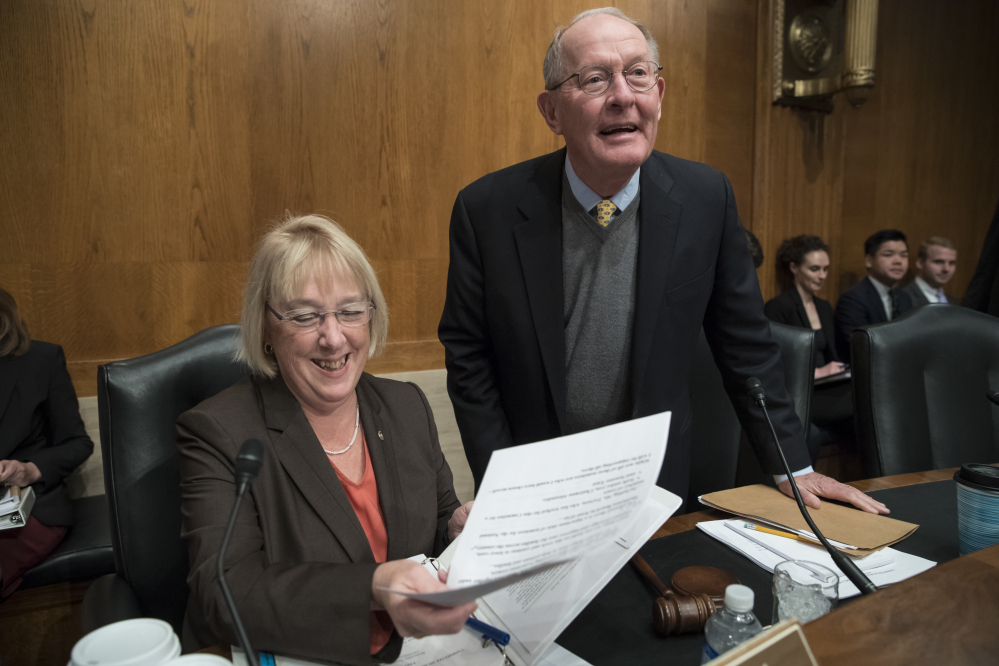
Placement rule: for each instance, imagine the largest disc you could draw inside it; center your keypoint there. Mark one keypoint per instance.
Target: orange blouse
(363, 497)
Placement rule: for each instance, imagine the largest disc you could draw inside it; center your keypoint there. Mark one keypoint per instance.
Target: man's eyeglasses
(352, 314)
(595, 80)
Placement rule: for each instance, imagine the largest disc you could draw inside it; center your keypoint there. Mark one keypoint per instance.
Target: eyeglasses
(595, 80)
(352, 314)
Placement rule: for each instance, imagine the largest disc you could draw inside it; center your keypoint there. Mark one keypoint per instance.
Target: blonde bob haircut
(287, 257)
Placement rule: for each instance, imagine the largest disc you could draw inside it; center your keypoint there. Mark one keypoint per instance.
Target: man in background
(876, 299)
(579, 280)
(936, 262)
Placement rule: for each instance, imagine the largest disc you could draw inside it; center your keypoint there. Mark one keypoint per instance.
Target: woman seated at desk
(353, 480)
(802, 268)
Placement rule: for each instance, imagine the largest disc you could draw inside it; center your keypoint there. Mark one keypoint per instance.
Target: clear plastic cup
(804, 590)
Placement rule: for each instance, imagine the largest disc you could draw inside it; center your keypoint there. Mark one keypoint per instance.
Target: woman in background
(802, 268)
(42, 440)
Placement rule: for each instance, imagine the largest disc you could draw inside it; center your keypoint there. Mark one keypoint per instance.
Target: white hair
(553, 67)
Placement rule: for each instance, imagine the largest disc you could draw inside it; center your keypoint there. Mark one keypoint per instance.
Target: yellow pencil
(786, 535)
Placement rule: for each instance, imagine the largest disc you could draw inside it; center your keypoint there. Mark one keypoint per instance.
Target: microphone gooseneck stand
(248, 463)
(845, 564)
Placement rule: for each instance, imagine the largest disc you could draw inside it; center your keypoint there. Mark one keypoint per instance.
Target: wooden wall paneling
(798, 174)
(150, 144)
(924, 158)
(729, 101)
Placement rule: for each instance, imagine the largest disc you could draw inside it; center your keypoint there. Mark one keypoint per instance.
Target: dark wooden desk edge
(678, 524)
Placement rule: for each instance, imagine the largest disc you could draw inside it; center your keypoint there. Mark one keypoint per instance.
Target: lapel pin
(380, 435)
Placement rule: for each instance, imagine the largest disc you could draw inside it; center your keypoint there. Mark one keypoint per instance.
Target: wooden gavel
(685, 607)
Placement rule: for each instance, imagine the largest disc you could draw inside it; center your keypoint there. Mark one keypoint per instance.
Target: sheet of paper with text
(553, 501)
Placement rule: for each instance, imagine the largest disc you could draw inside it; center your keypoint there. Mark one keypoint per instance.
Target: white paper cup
(139, 642)
(200, 660)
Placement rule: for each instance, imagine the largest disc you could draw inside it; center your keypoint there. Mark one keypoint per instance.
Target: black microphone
(993, 396)
(248, 463)
(845, 564)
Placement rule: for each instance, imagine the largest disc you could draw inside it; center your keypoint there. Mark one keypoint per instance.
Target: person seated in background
(802, 265)
(876, 299)
(802, 268)
(42, 440)
(353, 479)
(936, 262)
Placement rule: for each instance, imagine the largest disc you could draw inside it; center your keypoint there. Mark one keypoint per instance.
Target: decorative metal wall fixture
(822, 47)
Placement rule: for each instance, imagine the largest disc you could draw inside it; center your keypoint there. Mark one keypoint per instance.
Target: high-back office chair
(139, 401)
(720, 457)
(919, 386)
(86, 552)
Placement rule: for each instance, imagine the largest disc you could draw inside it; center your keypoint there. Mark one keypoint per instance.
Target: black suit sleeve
(740, 340)
(468, 354)
(69, 445)
(850, 314)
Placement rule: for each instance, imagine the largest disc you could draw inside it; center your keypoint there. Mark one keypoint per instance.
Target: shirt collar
(881, 287)
(932, 295)
(588, 199)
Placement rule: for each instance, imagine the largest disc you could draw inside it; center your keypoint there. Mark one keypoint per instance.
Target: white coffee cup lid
(199, 660)
(139, 642)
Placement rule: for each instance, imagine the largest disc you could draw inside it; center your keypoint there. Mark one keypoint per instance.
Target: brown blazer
(298, 564)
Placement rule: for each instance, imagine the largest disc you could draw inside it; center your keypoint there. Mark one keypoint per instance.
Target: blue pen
(490, 632)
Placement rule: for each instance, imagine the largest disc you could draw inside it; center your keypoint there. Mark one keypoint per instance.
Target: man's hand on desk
(815, 485)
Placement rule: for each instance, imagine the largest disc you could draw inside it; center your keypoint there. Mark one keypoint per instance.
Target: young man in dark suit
(936, 262)
(874, 300)
(579, 280)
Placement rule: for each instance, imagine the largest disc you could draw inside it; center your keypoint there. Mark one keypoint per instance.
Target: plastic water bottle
(732, 625)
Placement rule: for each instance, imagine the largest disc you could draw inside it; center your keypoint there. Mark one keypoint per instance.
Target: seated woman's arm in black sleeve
(70, 445)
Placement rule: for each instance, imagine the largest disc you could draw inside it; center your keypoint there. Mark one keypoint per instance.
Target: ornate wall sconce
(822, 47)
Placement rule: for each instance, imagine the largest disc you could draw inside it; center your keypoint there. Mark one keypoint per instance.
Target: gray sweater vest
(598, 281)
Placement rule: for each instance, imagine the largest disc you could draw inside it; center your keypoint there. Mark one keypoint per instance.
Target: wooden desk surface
(947, 615)
(686, 522)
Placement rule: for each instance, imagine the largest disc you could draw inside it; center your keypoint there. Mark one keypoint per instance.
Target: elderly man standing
(579, 280)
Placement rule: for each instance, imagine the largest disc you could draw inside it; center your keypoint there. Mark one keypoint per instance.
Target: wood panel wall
(147, 145)
(921, 155)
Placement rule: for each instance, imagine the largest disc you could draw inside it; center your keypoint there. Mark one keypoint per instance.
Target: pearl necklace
(357, 422)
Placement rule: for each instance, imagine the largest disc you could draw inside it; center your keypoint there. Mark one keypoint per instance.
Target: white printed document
(541, 505)
(883, 567)
(536, 610)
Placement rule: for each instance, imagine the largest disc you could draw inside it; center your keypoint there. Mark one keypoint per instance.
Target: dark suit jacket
(40, 423)
(861, 305)
(299, 564)
(788, 308)
(918, 298)
(916, 294)
(503, 330)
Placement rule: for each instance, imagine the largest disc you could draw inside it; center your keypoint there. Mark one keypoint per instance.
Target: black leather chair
(721, 457)
(86, 552)
(139, 401)
(919, 390)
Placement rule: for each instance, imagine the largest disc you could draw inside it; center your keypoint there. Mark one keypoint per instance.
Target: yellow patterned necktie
(605, 210)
